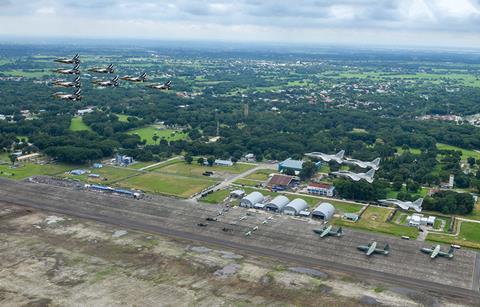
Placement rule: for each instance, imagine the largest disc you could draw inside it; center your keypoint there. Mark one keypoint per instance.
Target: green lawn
(28, 170)
(465, 152)
(393, 194)
(182, 168)
(167, 184)
(216, 197)
(414, 151)
(26, 73)
(139, 165)
(261, 174)
(148, 132)
(122, 117)
(374, 219)
(77, 124)
(247, 182)
(469, 236)
(109, 174)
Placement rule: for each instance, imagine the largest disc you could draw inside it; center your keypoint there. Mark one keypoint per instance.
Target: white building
(252, 199)
(223, 162)
(418, 220)
(295, 207)
(322, 189)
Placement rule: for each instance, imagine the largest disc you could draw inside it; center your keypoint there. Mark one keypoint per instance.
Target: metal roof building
(295, 206)
(278, 203)
(324, 211)
(296, 165)
(251, 199)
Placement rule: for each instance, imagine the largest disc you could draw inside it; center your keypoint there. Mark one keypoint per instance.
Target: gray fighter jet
(375, 164)
(161, 86)
(368, 176)
(436, 251)
(371, 248)
(74, 83)
(103, 70)
(328, 231)
(338, 157)
(66, 96)
(106, 83)
(75, 60)
(140, 78)
(405, 205)
(74, 71)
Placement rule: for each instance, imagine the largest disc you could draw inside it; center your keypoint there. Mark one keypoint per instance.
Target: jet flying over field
(436, 251)
(75, 60)
(375, 164)
(65, 96)
(74, 83)
(328, 231)
(140, 78)
(74, 71)
(405, 205)
(107, 83)
(371, 248)
(103, 70)
(368, 176)
(161, 86)
(338, 157)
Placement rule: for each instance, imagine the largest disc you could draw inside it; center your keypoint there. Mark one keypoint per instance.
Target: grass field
(28, 170)
(109, 174)
(465, 152)
(139, 165)
(469, 236)
(181, 168)
(167, 184)
(148, 132)
(414, 151)
(393, 194)
(247, 182)
(26, 73)
(77, 124)
(374, 219)
(122, 118)
(261, 174)
(215, 197)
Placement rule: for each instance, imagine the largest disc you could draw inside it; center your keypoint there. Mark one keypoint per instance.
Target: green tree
(201, 160)
(188, 158)
(471, 161)
(155, 138)
(308, 170)
(13, 158)
(210, 160)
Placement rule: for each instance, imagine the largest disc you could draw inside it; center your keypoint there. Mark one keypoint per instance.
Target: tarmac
(286, 238)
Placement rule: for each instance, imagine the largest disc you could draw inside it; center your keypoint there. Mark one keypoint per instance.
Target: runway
(284, 238)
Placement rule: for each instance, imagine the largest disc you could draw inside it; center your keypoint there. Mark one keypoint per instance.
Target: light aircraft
(436, 251)
(74, 83)
(249, 233)
(103, 70)
(161, 86)
(371, 248)
(375, 164)
(255, 228)
(65, 96)
(328, 231)
(368, 176)
(107, 83)
(405, 205)
(338, 157)
(74, 71)
(74, 60)
(140, 78)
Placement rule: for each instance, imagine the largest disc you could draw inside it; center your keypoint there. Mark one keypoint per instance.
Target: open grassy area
(182, 168)
(415, 151)
(469, 236)
(375, 219)
(77, 124)
(261, 174)
(147, 133)
(109, 174)
(26, 73)
(216, 197)
(247, 182)
(139, 165)
(28, 170)
(167, 184)
(393, 194)
(465, 152)
(122, 117)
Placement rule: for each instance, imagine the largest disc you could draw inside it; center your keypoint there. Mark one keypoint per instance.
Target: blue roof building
(295, 165)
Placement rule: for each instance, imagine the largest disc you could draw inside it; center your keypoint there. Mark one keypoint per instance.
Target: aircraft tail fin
(76, 57)
(77, 79)
(376, 162)
(115, 79)
(370, 173)
(340, 154)
(418, 203)
(451, 251)
(386, 248)
(77, 92)
(110, 66)
(143, 76)
(77, 66)
(340, 231)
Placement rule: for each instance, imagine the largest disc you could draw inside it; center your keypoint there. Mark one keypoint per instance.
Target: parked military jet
(140, 78)
(338, 157)
(161, 86)
(328, 231)
(74, 83)
(65, 96)
(74, 60)
(405, 205)
(107, 83)
(103, 70)
(371, 248)
(375, 164)
(74, 71)
(368, 176)
(436, 251)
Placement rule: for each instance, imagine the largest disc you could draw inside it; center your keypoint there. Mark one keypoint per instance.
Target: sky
(434, 23)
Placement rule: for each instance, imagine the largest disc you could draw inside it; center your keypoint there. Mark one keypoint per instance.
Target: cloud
(241, 17)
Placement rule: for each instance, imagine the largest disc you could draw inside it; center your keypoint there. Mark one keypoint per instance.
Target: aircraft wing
(325, 232)
(372, 248)
(435, 252)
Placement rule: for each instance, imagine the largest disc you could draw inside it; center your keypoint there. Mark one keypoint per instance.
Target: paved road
(174, 218)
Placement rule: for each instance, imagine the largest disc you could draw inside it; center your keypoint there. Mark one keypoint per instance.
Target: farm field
(147, 133)
(28, 170)
(469, 236)
(77, 124)
(375, 219)
(167, 184)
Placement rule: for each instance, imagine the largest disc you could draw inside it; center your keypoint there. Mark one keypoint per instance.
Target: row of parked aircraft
(371, 248)
(110, 69)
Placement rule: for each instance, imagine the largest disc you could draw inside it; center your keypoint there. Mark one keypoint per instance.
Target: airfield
(285, 238)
